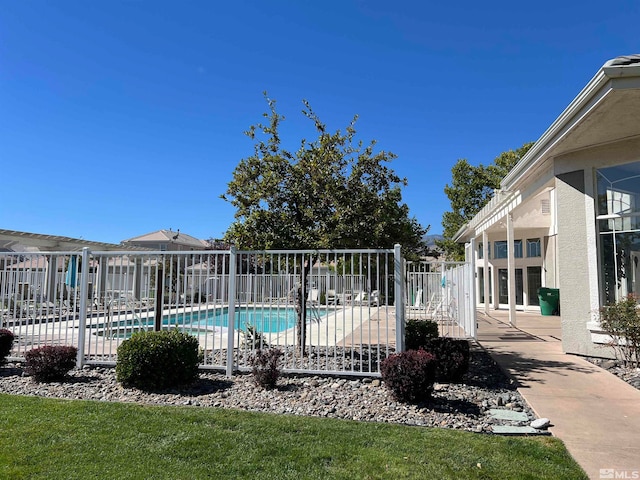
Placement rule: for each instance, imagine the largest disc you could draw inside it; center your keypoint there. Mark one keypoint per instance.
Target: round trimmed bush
(452, 355)
(418, 333)
(409, 375)
(158, 360)
(6, 343)
(50, 363)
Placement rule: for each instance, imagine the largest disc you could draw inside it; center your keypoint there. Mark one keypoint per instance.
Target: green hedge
(418, 333)
(158, 360)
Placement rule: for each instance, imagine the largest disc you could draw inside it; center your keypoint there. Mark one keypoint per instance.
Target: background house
(167, 240)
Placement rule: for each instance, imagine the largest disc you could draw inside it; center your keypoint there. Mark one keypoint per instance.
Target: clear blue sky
(118, 118)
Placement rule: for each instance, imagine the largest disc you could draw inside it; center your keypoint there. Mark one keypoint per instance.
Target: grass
(73, 439)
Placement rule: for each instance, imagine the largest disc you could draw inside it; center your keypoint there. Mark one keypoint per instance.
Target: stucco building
(568, 215)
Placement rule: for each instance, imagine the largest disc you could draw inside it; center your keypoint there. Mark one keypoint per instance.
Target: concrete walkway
(593, 412)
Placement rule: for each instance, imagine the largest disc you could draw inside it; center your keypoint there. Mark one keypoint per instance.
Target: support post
(231, 301)
(398, 273)
(485, 268)
(511, 271)
(157, 324)
(471, 289)
(82, 327)
(51, 278)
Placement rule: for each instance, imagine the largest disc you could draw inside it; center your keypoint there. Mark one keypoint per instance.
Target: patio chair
(344, 298)
(417, 301)
(364, 298)
(313, 297)
(332, 298)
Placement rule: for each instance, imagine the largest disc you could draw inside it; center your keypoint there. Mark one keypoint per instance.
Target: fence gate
(443, 292)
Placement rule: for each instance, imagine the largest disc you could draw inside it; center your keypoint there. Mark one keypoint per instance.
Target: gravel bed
(631, 375)
(463, 406)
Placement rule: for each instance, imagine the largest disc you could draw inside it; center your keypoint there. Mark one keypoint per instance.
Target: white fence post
(231, 310)
(398, 273)
(84, 287)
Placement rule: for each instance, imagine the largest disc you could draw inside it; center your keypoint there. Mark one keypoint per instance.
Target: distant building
(15, 241)
(168, 240)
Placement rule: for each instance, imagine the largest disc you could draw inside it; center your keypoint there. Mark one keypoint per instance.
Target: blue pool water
(265, 320)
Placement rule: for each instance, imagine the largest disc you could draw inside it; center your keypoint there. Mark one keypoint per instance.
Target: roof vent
(545, 206)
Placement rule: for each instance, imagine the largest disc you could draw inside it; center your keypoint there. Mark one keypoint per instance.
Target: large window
(618, 223)
(503, 286)
(481, 280)
(500, 249)
(533, 247)
(534, 282)
(517, 248)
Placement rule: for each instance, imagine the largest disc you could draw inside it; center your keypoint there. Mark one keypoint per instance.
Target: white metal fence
(234, 302)
(442, 291)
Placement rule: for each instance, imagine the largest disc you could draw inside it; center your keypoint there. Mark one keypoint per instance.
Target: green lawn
(61, 439)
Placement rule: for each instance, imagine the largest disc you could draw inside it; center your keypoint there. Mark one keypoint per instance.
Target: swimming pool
(264, 320)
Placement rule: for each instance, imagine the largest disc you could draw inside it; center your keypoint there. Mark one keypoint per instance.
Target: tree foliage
(470, 189)
(333, 192)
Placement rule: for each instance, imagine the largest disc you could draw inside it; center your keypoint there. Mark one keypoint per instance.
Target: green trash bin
(549, 300)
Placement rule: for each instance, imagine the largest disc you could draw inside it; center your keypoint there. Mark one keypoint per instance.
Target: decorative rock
(459, 406)
(500, 414)
(541, 423)
(511, 430)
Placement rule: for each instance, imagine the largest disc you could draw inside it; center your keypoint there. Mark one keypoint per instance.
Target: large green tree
(332, 192)
(470, 189)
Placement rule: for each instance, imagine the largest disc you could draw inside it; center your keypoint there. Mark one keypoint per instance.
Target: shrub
(452, 358)
(409, 375)
(158, 360)
(253, 339)
(6, 342)
(621, 320)
(50, 363)
(266, 368)
(418, 333)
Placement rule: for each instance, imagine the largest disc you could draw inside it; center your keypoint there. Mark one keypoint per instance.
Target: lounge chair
(332, 298)
(358, 297)
(344, 298)
(313, 297)
(417, 301)
(364, 298)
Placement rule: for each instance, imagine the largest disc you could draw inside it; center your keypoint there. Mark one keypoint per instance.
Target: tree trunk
(301, 304)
